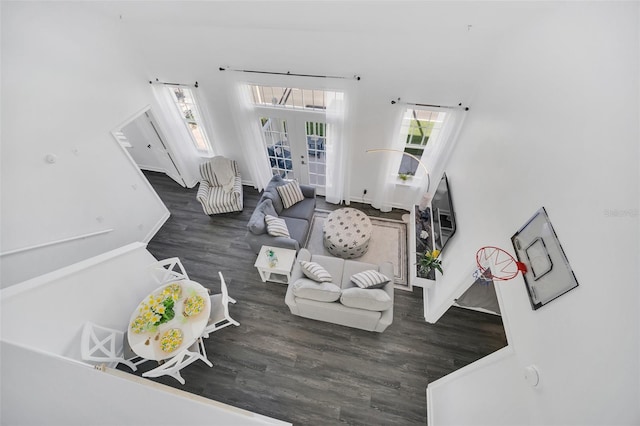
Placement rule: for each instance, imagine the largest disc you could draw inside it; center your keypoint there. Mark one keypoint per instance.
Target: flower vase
(272, 259)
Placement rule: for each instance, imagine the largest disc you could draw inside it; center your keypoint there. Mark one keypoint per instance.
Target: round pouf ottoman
(346, 233)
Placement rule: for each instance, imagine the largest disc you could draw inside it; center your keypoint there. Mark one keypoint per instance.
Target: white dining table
(147, 343)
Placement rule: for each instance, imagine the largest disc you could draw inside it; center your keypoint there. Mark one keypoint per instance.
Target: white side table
(281, 272)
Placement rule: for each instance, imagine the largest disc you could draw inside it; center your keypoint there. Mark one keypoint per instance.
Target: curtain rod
(430, 105)
(171, 84)
(289, 73)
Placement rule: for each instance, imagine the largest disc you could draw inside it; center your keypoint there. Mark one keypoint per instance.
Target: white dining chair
(166, 270)
(182, 359)
(103, 344)
(219, 317)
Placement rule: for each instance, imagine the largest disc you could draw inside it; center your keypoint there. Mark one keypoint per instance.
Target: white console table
(429, 286)
(414, 279)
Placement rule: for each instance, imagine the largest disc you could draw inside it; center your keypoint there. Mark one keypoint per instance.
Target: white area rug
(388, 242)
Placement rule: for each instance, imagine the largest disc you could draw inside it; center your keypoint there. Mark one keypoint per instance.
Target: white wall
(38, 389)
(49, 311)
(555, 124)
(67, 80)
(422, 52)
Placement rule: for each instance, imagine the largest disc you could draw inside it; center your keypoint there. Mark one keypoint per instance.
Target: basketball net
(495, 263)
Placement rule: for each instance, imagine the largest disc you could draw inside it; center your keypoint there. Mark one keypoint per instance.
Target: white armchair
(216, 196)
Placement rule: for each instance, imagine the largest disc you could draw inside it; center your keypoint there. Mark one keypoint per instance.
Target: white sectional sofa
(368, 309)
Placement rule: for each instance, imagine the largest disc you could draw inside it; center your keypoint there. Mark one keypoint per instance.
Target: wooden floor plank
(304, 371)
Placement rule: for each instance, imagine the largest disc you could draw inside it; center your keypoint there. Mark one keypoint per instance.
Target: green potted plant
(405, 176)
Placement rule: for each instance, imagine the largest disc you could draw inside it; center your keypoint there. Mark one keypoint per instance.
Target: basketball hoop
(497, 264)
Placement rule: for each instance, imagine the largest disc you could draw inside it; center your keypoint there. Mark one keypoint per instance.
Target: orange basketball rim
(498, 264)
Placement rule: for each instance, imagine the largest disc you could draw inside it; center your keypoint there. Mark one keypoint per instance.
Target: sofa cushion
(369, 279)
(257, 224)
(302, 210)
(333, 265)
(290, 193)
(276, 227)
(271, 192)
(321, 292)
(368, 299)
(298, 228)
(315, 272)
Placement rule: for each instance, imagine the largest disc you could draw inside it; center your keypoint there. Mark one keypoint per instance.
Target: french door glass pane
(317, 155)
(276, 141)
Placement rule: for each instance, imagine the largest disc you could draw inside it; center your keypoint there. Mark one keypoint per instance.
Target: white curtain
(177, 136)
(436, 156)
(338, 152)
(247, 132)
(385, 185)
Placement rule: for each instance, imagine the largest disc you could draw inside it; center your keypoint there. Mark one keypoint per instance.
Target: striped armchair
(213, 196)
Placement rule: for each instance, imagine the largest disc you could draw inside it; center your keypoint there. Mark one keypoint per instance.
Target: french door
(295, 143)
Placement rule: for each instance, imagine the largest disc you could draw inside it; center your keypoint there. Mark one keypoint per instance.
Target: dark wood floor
(299, 370)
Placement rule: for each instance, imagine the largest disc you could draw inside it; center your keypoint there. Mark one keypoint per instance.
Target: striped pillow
(276, 227)
(315, 272)
(369, 279)
(290, 194)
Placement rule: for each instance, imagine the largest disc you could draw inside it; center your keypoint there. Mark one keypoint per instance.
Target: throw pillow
(276, 227)
(305, 288)
(369, 279)
(290, 194)
(257, 224)
(315, 272)
(271, 191)
(369, 300)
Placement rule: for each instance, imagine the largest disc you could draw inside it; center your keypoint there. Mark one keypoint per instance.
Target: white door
(295, 145)
(147, 147)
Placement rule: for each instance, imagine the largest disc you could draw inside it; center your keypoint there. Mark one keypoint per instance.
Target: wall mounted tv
(444, 218)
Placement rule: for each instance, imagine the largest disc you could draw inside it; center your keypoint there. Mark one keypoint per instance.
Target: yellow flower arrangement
(193, 305)
(139, 324)
(157, 310)
(174, 290)
(428, 261)
(171, 340)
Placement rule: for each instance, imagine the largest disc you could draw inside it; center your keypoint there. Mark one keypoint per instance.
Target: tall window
(188, 110)
(419, 127)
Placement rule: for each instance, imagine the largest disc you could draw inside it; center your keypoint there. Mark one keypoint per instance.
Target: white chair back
(182, 359)
(219, 317)
(167, 270)
(225, 295)
(102, 344)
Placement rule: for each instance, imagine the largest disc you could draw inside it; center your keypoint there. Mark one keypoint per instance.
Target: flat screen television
(444, 218)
